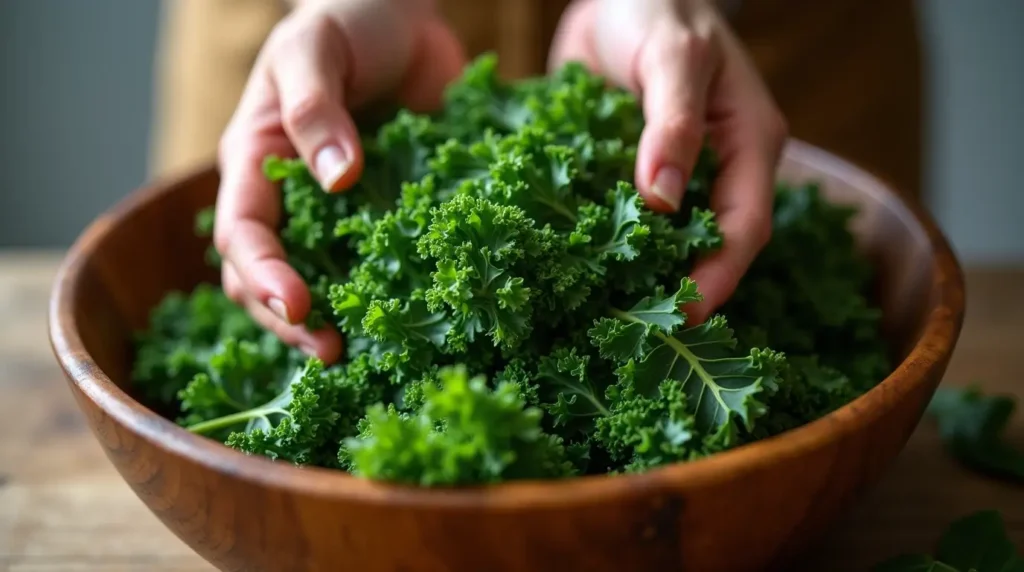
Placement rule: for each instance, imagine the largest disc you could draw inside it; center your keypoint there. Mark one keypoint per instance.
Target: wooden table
(63, 508)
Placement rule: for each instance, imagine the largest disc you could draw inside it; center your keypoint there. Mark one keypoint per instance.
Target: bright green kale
(512, 310)
(974, 543)
(464, 433)
(972, 424)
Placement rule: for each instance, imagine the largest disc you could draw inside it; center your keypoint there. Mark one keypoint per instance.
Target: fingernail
(308, 350)
(331, 165)
(278, 307)
(668, 186)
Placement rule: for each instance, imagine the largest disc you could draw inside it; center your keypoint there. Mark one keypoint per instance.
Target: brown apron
(846, 73)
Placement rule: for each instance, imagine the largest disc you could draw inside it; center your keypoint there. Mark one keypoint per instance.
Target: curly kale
(511, 310)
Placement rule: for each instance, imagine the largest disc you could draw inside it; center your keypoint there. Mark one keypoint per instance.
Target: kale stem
(624, 316)
(600, 406)
(233, 419)
(228, 399)
(558, 208)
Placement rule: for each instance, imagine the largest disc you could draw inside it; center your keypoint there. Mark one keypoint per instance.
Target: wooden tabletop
(63, 507)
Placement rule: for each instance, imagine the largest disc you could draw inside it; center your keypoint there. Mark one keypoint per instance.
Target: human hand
(694, 79)
(324, 58)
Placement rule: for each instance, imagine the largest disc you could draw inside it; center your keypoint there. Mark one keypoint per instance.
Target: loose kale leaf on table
(975, 543)
(972, 426)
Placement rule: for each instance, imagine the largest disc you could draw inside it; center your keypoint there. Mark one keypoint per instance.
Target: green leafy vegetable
(463, 433)
(974, 543)
(511, 309)
(972, 424)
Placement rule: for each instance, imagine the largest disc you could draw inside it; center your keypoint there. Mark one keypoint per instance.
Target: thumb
(674, 68)
(308, 71)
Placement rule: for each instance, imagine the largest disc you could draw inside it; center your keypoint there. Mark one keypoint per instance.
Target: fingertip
(281, 290)
(324, 344)
(665, 156)
(716, 277)
(668, 186)
(337, 169)
(696, 313)
(231, 283)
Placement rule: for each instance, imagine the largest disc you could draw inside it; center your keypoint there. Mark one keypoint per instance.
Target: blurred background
(77, 102)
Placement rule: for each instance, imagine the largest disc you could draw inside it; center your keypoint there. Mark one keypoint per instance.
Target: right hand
(325, 57)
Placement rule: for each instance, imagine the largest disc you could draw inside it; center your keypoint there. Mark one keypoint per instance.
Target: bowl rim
(933, 349)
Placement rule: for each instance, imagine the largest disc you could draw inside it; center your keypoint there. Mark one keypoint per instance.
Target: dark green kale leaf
(974, 543)
(240, 374)
(721, 382)
(186, 332)
(972, 425)
(480, 101)
(642, 432)
(570, 392)
(807, 293)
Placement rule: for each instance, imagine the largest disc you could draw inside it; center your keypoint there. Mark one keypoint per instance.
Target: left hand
(693, 78)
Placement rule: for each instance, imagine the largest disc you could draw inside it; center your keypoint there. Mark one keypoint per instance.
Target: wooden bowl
(746, 509)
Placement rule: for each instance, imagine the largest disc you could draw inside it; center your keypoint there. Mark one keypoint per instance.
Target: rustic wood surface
(63, 507)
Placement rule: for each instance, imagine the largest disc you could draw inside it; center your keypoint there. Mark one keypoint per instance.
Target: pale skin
(330, 56)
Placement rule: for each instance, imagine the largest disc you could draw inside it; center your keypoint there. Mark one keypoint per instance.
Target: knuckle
(693, 47)
(232, 289)
(685, 129)
(221, 240)
(687, 47)
(777, 128)
(306, 110)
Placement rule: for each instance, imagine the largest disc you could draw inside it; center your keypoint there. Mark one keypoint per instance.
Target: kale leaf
(972, 424)
(974, 543)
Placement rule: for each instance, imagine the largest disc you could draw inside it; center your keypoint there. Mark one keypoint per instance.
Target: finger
(438, 58)
(231, 283)
(744, 210)
(264, 272)
(573, 39)
(248, 209)
(749, 133)
(325, 344)
(674, 69)
(307, 69)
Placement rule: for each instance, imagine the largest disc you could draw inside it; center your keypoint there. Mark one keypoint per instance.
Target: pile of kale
(511, 310)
